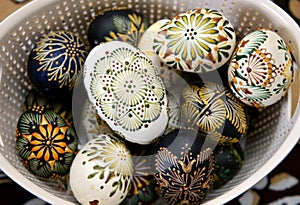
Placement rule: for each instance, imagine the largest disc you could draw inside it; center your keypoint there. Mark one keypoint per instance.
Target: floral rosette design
(102, 171)
(199, 40)
(261, 69)
(46, 144)
(127, 92)
(56, 61)
(213, 109)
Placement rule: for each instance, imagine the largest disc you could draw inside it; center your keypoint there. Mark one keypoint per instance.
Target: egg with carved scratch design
(198, 40)
(184, 168)
(46, 144)
(261, 69)
(55, 62)
(124, 87)
(101, 171)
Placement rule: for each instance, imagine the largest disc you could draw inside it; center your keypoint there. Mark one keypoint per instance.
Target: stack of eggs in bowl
(172, 101)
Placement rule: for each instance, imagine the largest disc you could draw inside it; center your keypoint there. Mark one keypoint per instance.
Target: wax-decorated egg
(184, 168)
(62, 107)
(228, 162)
(147, 40)
(198, 40)
(125, 88)
(213, 108)
(55, 62)
(101, 171)
(143, 185)
(261, 70)
(46, 144)
(117, 24)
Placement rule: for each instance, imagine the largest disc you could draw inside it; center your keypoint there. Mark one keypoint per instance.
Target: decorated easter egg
(198, 40)
(147, 40)
(117, 24)
(61, 107)
(228, 162)
(46, 144)
(261, 70)
(55, 62)
(184, 168)
(143, 185)
(214, 109)
(124, 87)
(101, 171)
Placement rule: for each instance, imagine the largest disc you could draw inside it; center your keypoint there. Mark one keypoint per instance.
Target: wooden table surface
(9, 6)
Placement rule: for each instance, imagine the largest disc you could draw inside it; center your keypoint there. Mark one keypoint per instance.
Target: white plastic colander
(275, 134)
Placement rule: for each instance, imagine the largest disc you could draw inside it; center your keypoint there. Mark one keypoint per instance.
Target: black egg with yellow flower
(55, 62)
(212, 108)
(45, 143)
(120, 24)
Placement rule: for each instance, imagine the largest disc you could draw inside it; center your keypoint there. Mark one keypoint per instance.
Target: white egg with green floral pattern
(199, 40)
(101, 171)
(127, 92)
(261, 69)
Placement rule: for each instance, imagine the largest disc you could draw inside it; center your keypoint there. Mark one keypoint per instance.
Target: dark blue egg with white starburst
(55, 62)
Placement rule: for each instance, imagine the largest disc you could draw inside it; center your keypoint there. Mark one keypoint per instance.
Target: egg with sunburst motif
(55, 62)
(126, 91)
(261, 69)
(198, 41)
(184, 167)
(119, 24)
(102, 171)
(45, 143)
(213, 108)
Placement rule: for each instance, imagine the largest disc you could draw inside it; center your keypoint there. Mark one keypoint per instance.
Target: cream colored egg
(261, 70)
(101, 172)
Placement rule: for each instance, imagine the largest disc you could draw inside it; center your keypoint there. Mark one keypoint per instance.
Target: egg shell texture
(228, 161)
(55, 62)
(261, 70)
(117, 24)
(198, 40)
(101, 171)
(46, 144)
(127, 92)
(184, 168)
(214, 109)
